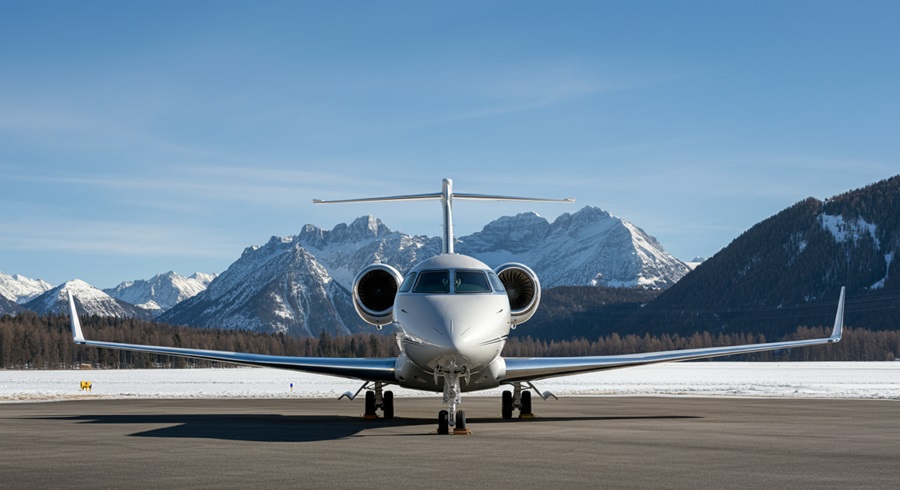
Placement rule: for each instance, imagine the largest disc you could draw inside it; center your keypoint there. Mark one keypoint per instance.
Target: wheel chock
(370, 416)
(527, 416)
(462, 432)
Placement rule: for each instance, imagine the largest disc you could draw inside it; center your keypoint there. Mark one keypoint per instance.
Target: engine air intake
(523, 290)
(374, 291)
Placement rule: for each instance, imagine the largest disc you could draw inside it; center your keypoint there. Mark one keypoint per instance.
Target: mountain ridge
(787, 270)
(92, 301)
(263, 290)
(161, 292)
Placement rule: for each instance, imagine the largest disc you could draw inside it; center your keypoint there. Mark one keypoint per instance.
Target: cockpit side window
(496, 282)
(433, 282)
(407, 283)
(472, 282)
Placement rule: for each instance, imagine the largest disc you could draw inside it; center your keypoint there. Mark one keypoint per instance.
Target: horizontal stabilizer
(446, 196)
(435, 197)
(417, 197)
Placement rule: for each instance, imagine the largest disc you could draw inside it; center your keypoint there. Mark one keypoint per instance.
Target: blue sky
(137, 138)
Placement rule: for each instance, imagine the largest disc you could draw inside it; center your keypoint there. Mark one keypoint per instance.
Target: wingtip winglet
(839, 318)
(74, 322)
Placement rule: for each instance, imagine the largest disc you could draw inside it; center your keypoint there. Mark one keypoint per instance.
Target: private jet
(451, 316)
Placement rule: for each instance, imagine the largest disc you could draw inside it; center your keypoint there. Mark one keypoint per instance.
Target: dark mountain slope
(787, 271)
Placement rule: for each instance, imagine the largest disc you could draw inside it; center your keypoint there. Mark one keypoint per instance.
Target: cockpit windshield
(439, 281)
(472, 282)
(433, 282)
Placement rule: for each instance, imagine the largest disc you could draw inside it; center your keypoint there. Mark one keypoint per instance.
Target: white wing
(529, 369)
(366, 369)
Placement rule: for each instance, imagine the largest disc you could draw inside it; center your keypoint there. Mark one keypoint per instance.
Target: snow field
(864, 380)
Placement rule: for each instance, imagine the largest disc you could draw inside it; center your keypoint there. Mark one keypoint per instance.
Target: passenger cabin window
(433, 282)
(472, 282)
(407, 283)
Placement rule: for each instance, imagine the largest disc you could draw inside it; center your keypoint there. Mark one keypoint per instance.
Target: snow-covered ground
(872, 380)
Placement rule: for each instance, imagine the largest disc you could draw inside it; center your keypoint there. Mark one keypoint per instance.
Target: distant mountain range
(162, 292)
(300, 284)
(20, 289)
(783, 272)
(91, 300)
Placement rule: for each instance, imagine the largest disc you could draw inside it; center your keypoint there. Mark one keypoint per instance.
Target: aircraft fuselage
(451, 314)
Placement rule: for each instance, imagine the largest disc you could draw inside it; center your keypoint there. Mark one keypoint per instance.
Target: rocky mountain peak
(162, 291)
(20, 289)
(91, 301)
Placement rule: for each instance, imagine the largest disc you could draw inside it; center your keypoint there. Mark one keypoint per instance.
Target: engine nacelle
(522, 288)
(374, 291)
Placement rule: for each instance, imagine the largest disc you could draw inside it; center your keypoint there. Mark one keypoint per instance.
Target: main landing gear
(376, 398)
(521, 400)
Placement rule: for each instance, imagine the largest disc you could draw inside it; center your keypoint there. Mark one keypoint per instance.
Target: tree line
(31, 341)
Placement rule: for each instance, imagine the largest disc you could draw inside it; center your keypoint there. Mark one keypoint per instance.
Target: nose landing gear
(452, 397)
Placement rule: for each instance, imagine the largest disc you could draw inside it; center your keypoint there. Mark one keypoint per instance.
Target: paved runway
(580, 442)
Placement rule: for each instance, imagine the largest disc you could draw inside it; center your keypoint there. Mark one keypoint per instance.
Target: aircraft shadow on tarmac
(298, 428)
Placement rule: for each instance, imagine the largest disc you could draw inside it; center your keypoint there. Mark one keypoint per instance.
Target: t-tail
(446, 197)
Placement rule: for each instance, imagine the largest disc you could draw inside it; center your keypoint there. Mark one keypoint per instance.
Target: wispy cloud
(267, 186)
(43, 233)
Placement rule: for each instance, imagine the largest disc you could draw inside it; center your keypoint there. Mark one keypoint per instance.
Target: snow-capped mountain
(300, 284)
(588, 248)
(162, 292)
(91, 301)
(695, 262)
(279, 287)
(20, 289)
(347, 249)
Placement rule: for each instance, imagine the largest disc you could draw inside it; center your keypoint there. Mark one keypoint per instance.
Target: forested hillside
(573, 312)
(788, 270)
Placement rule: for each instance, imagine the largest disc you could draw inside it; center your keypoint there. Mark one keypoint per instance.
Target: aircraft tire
(506, 409)
(370, 403)
(443, 422)
(388, 407)
(526, 403)
(460, 421)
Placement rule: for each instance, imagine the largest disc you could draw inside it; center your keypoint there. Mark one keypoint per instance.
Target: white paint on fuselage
(439, 330)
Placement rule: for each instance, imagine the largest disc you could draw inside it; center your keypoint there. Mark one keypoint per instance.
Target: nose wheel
(453, 417)
(459, 426)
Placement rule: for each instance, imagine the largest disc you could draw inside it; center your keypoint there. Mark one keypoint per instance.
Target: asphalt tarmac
(577, 442)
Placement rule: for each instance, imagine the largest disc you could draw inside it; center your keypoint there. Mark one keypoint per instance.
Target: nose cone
(457, 336)
(461, 344)
(449, 329)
